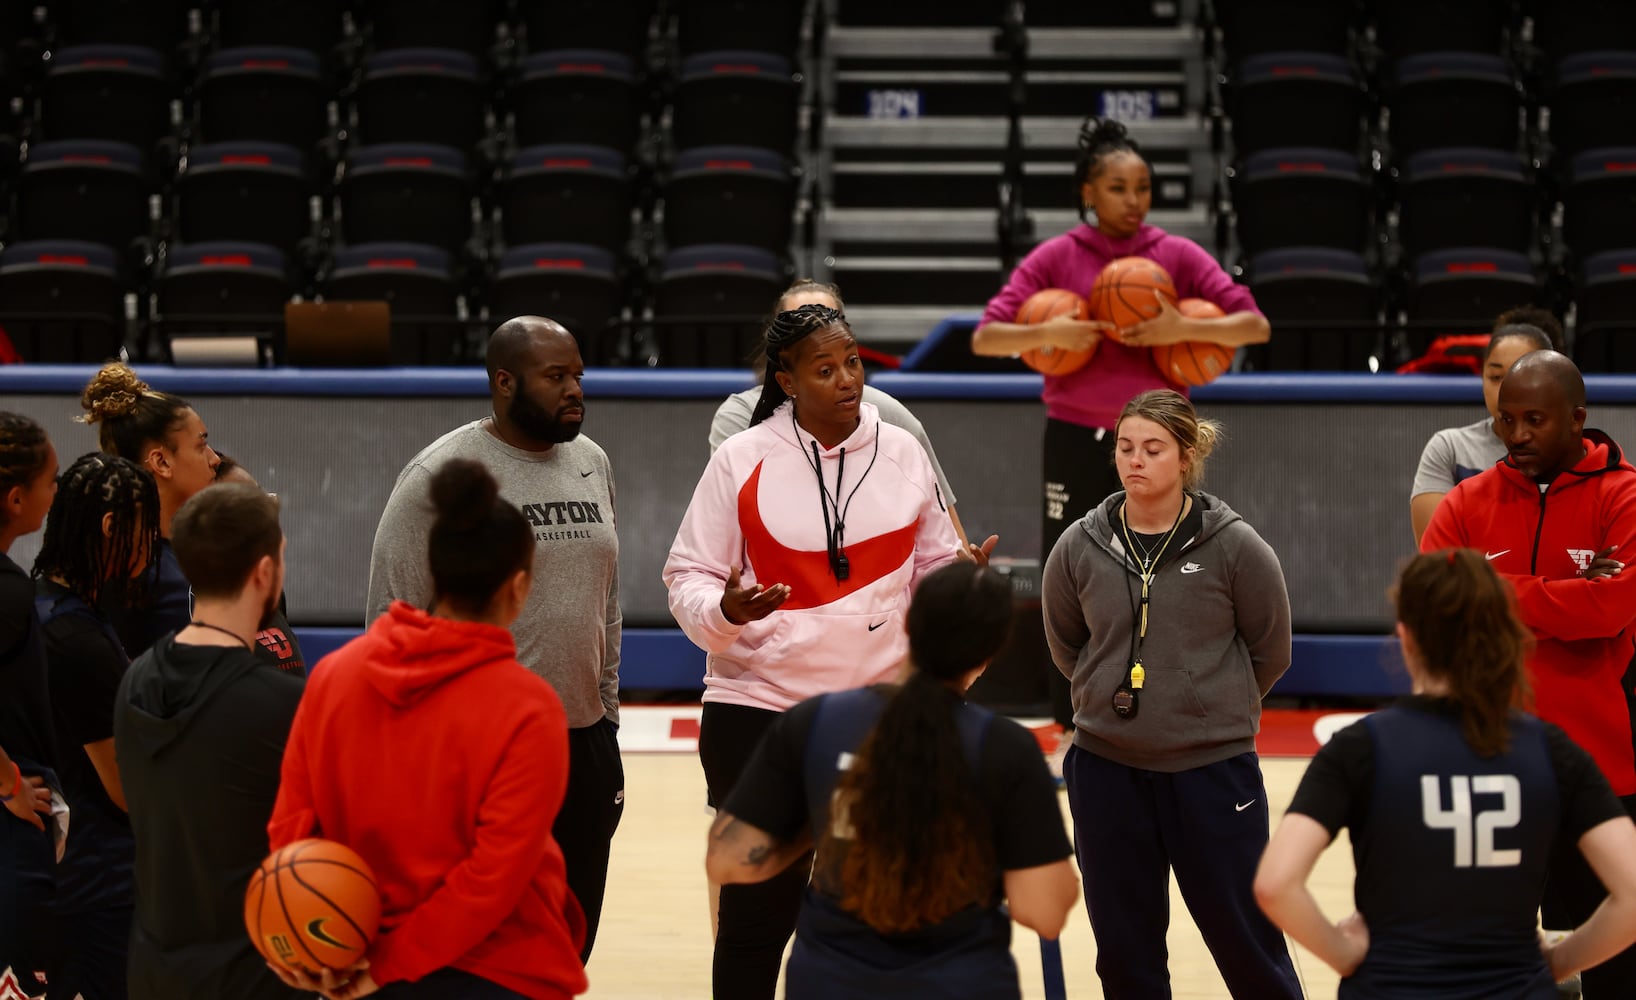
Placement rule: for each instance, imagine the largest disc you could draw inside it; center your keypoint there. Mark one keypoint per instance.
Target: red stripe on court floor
(1285, 732)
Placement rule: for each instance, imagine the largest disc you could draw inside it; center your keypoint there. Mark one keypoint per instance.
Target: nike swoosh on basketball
(1241, 808)
(1495, 555)
(876, 626)
(315, 930)
(1192, 568)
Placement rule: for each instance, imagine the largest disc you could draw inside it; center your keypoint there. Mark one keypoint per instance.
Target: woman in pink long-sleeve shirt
(792, 569)
(1115, 191)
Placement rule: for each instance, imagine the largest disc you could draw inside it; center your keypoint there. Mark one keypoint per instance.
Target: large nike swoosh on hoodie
(811, 583)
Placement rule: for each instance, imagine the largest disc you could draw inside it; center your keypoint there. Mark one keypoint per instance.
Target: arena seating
(1465, 197)
(566, 194)
(876, 136)
(1323, 304)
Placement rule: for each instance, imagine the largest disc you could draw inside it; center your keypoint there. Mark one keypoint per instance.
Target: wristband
(17, 769)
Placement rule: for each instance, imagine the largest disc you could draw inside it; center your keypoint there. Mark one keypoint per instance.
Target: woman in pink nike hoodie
(1113, 183)
(792, 569)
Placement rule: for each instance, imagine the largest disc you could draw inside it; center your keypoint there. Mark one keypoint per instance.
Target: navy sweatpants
(1132, 828)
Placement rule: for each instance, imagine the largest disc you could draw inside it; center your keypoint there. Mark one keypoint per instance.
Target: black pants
(1572, 894)
(96, 949)
(29, 941)
(1079, 474)
(753, 922)
(448, 984)
(590, 815)
(1209, 824)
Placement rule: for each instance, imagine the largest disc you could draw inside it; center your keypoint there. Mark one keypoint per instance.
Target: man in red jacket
(1550, 518)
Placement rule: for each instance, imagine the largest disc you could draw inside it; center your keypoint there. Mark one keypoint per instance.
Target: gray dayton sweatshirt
(1218, 636)
(569, 632)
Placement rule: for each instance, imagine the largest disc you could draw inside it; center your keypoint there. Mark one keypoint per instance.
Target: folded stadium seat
(730, 194)
(421, 95)
(1565, 27)
(735, 99)
(1282, 99)
(1407, 27)
(113, 92)
(1441, 99)
(1254, 27)
(407, 193)
(575, 284)
(566, 194)
(223, 288)
(313, 25)
(1599, 201)
(612, 25)
(1465, 198)
(1462, 289)
(155, 24)
(1323, 307)
(1302, 197)
(1604, 336)
(1593, 102)
(83, 190)
(575, 95)
(64, 301)
(254, 192)
(709, 303)
(747, 25)
(467, 25)
(418, 283)
(266, 93)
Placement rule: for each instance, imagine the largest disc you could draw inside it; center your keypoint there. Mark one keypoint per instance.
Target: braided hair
(786, 330)
(1098, 138)
(24, 449)
(75, 550)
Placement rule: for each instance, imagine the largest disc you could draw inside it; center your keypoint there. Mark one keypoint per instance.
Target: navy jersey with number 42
(1452, 860)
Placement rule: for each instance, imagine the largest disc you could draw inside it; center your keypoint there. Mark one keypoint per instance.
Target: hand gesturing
(748, 604)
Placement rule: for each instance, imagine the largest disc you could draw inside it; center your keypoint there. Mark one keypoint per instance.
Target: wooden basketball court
(655, 939)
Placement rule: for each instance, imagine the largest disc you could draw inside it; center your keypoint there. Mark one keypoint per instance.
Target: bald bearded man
(569, 631)
(1556, 518)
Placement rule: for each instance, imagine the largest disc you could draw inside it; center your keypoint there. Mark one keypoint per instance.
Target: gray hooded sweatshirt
(1218, 637)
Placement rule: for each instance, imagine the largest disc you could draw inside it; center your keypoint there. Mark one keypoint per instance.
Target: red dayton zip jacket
(1541, 542)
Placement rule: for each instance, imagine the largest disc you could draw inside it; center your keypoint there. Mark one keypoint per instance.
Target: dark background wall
(1325, 482)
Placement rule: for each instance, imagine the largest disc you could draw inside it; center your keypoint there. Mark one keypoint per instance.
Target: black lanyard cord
(1147, 569)
(835, 535)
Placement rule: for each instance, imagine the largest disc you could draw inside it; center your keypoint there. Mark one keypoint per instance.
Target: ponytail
(910, 842)
(1463, 618)
(918, 844)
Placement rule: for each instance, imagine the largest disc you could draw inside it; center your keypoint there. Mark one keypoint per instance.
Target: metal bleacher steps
(914, 132)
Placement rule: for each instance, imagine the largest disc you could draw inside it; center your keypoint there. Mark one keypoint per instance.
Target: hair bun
(463, 494)
(1099, 133)
(112, 393)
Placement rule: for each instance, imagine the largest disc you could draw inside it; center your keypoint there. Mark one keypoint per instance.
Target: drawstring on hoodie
(834, 535)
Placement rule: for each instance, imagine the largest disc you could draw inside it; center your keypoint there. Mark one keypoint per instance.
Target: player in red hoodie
(1551, 518)
(429, 750)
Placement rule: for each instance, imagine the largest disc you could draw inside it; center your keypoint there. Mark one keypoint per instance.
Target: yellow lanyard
(1148, 570)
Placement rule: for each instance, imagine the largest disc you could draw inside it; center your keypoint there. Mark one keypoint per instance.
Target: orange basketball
(1194, 362)
(313, 905)
(1127, 292)
(1048, 304)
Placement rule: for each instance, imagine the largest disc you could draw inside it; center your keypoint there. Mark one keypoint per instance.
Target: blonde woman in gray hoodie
(1169, 616)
